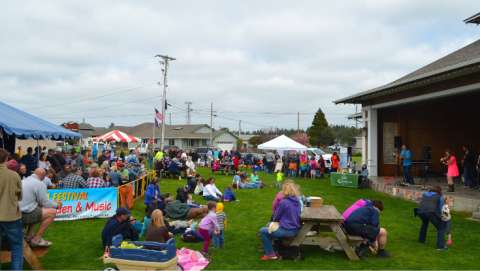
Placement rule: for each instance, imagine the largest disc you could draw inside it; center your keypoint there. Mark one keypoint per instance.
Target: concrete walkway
(465, 199)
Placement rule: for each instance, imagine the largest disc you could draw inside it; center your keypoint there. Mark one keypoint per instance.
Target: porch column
(372, 141)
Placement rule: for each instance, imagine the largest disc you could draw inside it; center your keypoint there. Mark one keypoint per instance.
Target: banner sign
(85, 203)
(345, 180)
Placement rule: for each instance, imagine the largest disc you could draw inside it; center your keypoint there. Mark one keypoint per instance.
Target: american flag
(158, 118)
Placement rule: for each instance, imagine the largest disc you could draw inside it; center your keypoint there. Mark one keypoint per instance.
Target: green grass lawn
(77, 243)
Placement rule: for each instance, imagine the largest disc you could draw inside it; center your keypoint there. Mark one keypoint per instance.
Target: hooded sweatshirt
(288, 213)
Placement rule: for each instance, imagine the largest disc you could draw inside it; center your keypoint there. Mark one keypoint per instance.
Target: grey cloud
(258, 56)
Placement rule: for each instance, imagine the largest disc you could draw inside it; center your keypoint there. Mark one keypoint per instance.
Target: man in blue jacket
(152, 195)
(365, 222)
(120, 223)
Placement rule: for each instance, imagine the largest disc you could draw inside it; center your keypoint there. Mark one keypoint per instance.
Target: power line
(90, 98)
(110, 106)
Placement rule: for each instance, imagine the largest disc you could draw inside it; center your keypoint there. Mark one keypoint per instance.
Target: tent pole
(38, 152)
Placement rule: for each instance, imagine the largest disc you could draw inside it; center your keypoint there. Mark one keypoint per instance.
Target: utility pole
(298, 122)
(211, 124)
(165, 61)
(188, 111)
(239, 128)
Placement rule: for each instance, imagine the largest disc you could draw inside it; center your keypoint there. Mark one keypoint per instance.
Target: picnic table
(327, 219)
(31, 255)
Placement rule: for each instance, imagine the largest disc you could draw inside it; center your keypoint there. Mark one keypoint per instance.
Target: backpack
(364, 183)
(286, 252)
(191, 237)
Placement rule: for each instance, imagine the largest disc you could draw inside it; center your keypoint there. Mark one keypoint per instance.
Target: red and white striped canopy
(117, 136)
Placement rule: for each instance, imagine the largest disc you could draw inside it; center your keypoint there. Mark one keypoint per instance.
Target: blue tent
(20, 124)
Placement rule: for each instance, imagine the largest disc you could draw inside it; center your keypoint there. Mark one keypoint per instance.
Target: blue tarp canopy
(24, 125)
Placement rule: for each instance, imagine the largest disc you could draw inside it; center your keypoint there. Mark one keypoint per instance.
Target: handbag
(273, 227)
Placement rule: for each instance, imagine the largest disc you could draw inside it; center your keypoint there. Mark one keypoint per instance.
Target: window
(171, 142)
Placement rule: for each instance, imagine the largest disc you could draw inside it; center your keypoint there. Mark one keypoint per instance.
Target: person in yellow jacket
(159, 156)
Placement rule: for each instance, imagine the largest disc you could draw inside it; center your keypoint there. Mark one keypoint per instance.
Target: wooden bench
(331, 235)
(31, 255)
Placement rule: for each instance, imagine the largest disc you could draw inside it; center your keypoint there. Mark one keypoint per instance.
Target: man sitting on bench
(37, 208)
(365, 222)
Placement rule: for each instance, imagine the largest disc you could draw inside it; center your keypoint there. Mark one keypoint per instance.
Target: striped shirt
(221, 217)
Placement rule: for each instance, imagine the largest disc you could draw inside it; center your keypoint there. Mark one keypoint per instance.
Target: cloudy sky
(68, 60)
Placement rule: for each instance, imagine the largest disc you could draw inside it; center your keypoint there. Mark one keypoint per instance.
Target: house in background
(246, 142)
(188, 136)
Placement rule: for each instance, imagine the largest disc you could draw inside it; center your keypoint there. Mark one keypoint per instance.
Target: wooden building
(434, 108)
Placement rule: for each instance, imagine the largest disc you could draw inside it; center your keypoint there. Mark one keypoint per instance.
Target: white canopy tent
(281, 144)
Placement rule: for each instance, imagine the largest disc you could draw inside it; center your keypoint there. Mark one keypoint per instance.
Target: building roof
(145, 130)
(85, 126)
(475, 19)
(464, 58)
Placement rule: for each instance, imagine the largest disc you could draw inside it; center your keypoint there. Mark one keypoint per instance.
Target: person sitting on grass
(147, 219)
(152, 195)
(365, 222)
(119, 224)
(211, 192)
(157, 230)
(252, 183)
(36, 208)
(237, 180)
(228, 194)
(254, 178)
(287, 215)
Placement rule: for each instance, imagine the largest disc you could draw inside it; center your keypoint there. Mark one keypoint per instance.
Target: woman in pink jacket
(452, 169)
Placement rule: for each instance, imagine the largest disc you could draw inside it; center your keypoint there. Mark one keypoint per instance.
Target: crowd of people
(26, 178)
(78, 168)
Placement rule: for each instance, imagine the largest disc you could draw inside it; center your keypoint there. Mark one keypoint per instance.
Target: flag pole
(153, 134)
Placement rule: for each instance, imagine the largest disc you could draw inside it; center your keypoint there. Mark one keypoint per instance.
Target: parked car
(202, 152)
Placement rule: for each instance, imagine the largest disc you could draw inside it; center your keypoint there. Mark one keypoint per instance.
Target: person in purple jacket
(287, 214)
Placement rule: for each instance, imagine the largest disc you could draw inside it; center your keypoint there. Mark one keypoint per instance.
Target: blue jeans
(219, 239)
(267, 238)
(437, 222)
(249, 185)
(406, 174)
(13, 232)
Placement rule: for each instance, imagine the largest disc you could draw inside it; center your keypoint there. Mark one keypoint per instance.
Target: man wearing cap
(120, 223)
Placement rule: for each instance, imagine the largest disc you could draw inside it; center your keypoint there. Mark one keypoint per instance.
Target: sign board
(85, 203)
(345, 180)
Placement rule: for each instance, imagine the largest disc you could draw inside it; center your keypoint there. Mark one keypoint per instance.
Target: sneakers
(269, 257)
(362, 251)
(382, 253)
(40, 243)
(442, 249)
